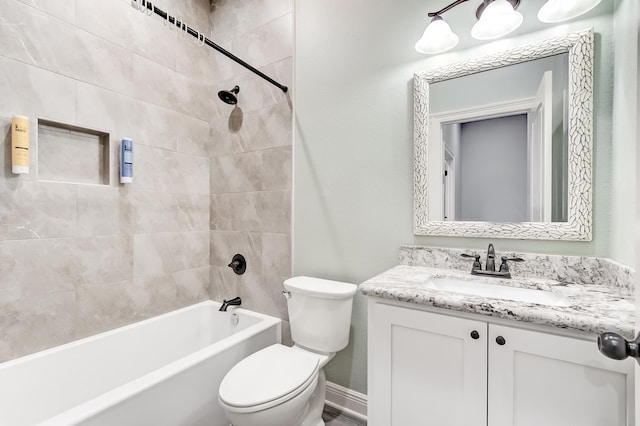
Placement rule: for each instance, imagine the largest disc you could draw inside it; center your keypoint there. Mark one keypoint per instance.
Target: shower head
(229, 96)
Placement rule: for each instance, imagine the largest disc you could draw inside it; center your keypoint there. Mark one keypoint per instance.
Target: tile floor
(333, 417)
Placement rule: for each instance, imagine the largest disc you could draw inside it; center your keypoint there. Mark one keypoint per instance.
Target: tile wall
(209, 180)
(251, 161)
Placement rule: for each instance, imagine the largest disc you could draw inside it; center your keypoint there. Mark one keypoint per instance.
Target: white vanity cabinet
(429, 368)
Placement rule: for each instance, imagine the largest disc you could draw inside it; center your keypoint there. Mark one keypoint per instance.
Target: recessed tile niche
(72, 154)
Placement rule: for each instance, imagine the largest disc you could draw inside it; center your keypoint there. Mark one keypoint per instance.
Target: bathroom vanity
(440, 357)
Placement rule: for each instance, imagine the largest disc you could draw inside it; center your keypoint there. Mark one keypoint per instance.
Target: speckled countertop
(590, 308)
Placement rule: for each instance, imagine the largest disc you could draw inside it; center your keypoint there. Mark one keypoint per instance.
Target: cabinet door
(425, 369)
(541, 379)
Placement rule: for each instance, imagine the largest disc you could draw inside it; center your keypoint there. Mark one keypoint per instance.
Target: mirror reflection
(500, 144)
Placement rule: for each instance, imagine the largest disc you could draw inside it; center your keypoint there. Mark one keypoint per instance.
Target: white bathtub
(162, 371)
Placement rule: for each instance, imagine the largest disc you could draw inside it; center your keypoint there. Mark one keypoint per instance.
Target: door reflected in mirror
(503, 153)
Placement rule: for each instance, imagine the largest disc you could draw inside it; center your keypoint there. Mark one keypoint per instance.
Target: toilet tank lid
(320, 288)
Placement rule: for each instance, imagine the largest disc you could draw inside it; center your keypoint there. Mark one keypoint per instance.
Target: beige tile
(125, 26)
(32, 267)
(225, 244)
(192, 99)
(31, 36)
(266, 44)
(162, 253)
(34, 92)
(260, 129)
(154, 83)
(262, 293)
(103, 259)
(223, 283)
(224, 137)
(36, 322)
(194, 12)
(193, 136)
(63, 9)
(36, 210)
(268, 211)
(192, 286)
(28, 35)
(155, 211)
(221, 213)
(168, 171)
(266, 170)
(268, 128)
(124, 116)
(104, 307)
(276, 255)
(211, 66)
(103, 211)
(231, 18)
(152, 296)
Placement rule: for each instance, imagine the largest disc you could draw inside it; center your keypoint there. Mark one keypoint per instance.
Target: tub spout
(236, 301)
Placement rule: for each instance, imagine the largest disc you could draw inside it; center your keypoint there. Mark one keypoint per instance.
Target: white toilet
(285, 386)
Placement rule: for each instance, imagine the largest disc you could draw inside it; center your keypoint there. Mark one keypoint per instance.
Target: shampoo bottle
(19, 144)
(126, 161)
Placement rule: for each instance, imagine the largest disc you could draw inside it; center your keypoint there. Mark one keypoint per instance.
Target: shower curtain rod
(181, 25)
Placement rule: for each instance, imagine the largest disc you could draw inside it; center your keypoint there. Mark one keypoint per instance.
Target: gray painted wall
(353, 148)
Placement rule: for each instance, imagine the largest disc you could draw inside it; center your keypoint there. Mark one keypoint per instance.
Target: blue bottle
(126, 161)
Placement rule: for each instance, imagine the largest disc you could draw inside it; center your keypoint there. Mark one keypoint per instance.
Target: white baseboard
(350, 402)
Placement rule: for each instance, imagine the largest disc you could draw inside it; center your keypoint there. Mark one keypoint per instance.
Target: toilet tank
(319, 312)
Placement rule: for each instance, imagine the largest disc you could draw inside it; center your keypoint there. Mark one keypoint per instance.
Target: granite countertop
(592, 308)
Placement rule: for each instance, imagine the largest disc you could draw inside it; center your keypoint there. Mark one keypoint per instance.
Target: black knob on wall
(475, 335)
(500, 340)
(238, 264)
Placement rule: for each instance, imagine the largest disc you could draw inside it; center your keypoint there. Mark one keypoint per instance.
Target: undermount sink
(478, 288)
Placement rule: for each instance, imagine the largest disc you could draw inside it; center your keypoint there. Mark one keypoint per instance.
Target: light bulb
(563, 10)
(498, 19)
(437, 37)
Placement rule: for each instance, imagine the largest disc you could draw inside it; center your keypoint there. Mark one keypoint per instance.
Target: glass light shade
(563, 10)
(437, 38)
(498, 19)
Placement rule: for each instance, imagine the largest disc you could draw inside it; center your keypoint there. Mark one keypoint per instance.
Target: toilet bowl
(286, 386)
(273, 387)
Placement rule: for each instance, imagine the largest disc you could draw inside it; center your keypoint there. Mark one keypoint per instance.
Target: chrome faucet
(490, 266)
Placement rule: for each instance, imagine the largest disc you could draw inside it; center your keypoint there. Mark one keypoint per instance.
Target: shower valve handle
(238, 264)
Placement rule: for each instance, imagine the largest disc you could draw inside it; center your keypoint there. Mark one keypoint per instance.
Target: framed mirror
(503, 143)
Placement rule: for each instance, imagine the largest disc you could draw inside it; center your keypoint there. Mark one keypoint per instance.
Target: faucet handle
(504, 267)
(476, 263)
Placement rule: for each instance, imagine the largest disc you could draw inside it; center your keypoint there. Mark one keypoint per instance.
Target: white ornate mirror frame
(579, 45)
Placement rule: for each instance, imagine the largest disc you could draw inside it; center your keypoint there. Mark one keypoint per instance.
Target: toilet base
(313, 416)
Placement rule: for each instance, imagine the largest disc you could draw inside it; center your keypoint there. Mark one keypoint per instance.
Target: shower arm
(172, 20)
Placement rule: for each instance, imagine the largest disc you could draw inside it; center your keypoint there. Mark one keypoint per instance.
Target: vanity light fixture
(496, 18)
(562, 10)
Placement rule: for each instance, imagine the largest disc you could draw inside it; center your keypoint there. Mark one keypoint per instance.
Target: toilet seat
(268, 378)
